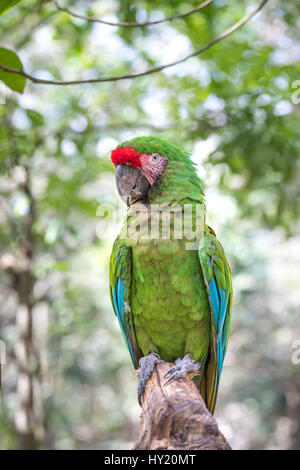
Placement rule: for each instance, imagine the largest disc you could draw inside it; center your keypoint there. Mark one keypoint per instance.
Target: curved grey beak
(132, 185)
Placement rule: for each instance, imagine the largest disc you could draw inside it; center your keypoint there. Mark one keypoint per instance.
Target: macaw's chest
(169, 298)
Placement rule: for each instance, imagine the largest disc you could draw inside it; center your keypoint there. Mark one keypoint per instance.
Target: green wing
(217, 279)
(120, 294)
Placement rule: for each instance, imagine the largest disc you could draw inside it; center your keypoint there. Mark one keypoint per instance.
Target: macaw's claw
(181, 368)
(147, 365)
(173, 368)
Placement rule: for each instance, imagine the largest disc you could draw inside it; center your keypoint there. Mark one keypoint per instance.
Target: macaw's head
(144, 162)
(139, 164)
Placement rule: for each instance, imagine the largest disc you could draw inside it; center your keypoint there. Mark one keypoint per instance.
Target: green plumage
(175, 300)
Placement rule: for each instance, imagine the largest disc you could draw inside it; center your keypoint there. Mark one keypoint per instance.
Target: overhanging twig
(128, 24)
(158, 68)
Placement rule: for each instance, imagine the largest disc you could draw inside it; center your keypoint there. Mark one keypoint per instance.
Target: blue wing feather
(118, 300)
(120, 296)
(120, 288)
(219, 302)
(216, 273)
(214, 299)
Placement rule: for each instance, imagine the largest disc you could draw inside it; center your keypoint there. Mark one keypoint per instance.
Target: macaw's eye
(155, 157)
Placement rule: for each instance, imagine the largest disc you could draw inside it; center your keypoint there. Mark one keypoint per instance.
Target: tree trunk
(175, 417)
(28, 419)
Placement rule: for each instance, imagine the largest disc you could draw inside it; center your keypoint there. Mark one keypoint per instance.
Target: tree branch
(133, 25)
(158, 68)
(175, 417)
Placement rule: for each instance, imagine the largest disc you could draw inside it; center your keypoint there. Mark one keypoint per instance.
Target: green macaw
(171, 294)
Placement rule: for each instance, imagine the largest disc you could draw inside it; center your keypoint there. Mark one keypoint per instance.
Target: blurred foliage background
(68, 382)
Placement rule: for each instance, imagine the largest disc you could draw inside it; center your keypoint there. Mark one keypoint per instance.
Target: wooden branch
(175, 417)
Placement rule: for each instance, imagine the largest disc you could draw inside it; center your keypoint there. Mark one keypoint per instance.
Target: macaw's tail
(209, 383)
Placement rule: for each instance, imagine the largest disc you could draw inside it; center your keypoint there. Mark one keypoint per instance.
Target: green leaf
(10, 59)
(6, 5)
(36, 118)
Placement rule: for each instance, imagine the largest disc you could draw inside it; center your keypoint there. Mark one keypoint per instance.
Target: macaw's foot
(181, 368)
(147, 365)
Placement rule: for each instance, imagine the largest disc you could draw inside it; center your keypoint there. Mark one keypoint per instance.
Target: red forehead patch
(123, 155)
